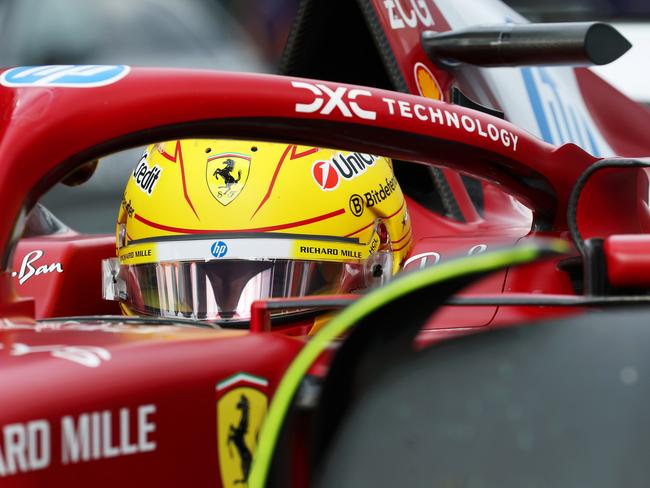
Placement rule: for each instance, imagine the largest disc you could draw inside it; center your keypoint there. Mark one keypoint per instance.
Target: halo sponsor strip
(440, 116)
(350, 103)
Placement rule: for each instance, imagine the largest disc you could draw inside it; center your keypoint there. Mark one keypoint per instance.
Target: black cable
(574, 198)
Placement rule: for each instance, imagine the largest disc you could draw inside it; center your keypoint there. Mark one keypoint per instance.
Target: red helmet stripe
(178, 156)
(359, 230)
(403, 237)
(288, 225)
(294, 155)
(372, 223)
(407, 243)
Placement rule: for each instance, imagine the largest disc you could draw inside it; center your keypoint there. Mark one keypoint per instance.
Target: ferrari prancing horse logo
(227, 174)
(241, 408)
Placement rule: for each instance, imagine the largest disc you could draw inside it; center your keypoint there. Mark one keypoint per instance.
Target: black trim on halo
(574, 198)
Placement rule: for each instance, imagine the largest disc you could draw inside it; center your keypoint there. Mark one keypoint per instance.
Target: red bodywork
(149, 393)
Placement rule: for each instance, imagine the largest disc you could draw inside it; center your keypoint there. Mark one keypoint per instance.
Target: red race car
(509, 142)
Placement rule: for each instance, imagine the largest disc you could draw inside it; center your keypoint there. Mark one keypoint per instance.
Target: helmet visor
(226, 289)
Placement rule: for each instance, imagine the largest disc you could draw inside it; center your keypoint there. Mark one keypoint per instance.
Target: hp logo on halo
(219, 249)
(80, 76)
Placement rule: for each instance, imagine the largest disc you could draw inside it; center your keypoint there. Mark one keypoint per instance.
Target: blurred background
(238, 35)
(231, 35)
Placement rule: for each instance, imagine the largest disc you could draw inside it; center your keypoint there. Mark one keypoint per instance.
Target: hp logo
(219, 249)
(81, 76)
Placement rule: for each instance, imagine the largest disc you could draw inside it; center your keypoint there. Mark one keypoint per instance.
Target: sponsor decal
(559, 117)
(71, 76)
(111, 327)
(375, 197)
(242, 402)
(425, 259)
(327, 174)
(88, 436)
(146, 177)
(426, 82)
(81, 434)
(374, 243)
(29, 268)
(128, 207)
(138, 255)
(478, 249)
(114, 328)
(397, 108)
(227, 175)
(408, 13)
(331, 251)
(422, 260)
(341, 98)
(441, 116)
(219, 249)
(356, 205)
(88, 356)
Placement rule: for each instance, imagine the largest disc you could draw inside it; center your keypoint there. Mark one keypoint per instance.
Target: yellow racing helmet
(206, 227)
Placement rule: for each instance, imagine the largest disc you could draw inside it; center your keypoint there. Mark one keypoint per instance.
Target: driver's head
(206, 227)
